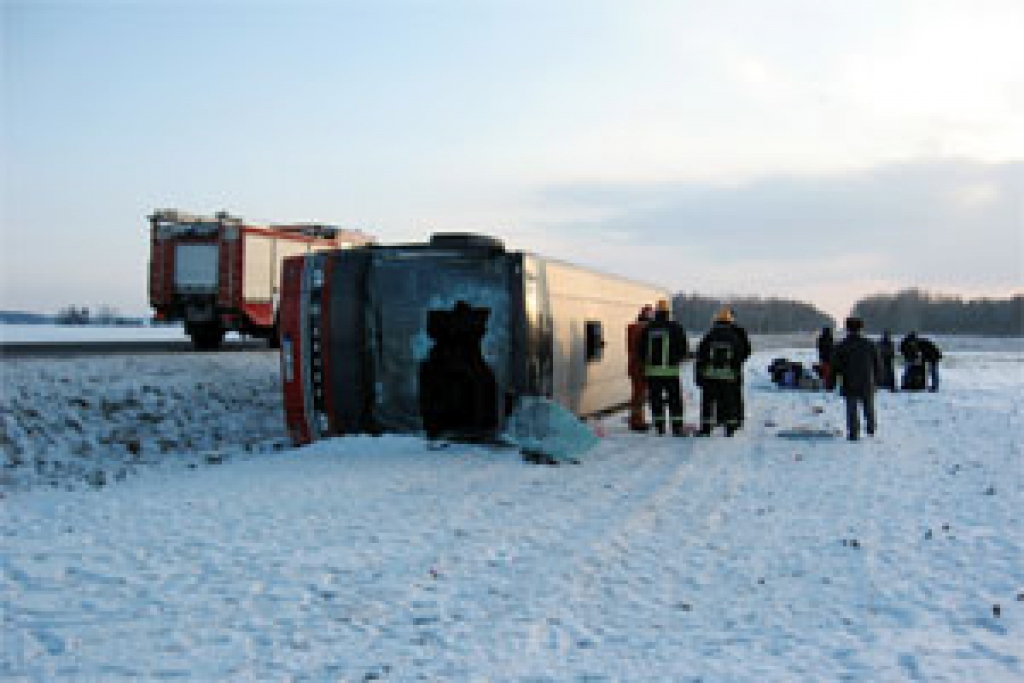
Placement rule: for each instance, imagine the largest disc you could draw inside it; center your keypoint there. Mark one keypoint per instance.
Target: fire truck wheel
(207, 337)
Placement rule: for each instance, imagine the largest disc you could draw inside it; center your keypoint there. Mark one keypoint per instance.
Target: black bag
(778, 369)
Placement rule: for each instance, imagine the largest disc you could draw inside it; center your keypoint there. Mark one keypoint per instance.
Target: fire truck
(219, 274)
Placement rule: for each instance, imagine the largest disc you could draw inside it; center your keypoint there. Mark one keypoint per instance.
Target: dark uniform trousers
(867, 404)
(662, 392)
(888, 378)
(721, 402)
(638, 384)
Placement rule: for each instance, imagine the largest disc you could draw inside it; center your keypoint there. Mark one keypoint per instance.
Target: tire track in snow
(622, 565)
(400, 621)
(601, 563)
(527, 547)
(797, 592)
(584, 570)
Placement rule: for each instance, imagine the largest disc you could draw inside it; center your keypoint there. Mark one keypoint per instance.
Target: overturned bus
(446, 337)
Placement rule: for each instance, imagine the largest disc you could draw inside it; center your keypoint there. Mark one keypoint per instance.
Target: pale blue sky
(821, 150)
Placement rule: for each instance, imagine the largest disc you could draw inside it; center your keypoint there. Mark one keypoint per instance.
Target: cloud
(977, 194)
(948, 224)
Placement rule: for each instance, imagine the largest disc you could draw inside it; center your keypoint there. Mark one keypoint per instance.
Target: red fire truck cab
(218, 274)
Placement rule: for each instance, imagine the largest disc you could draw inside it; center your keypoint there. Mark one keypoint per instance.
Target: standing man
(719, 374)
(825, 346)
(931, 355)
(635, 368)
(663, 347)
(887, 354)
(857, 367)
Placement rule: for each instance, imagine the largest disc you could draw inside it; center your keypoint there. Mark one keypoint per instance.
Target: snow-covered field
(195, 544)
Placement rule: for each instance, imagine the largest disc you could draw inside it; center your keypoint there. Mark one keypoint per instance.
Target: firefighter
(719, 374)
(663, 347)
(635, 368)
(858, 367)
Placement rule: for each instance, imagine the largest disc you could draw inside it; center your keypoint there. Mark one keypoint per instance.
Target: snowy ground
(67, 423)
(214, 553)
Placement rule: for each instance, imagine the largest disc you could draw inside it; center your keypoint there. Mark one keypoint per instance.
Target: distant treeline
(71, 315)
(917, 310)
(105, 315)
(757, 315)
(24, 318)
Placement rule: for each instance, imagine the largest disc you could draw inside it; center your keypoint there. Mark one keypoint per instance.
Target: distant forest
(917, 310)
(71, 315)
(757, 315)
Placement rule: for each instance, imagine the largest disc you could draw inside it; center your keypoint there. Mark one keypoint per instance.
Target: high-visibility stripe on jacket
(663, 347)
(724, 374)
(721, 353)
(657, 355)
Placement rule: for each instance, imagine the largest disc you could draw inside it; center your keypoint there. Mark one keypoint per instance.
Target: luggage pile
(788, 374)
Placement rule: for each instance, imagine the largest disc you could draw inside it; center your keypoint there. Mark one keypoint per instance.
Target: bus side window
(595, 341)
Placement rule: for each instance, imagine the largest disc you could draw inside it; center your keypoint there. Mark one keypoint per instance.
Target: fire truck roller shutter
(285, 248)
(258, 273)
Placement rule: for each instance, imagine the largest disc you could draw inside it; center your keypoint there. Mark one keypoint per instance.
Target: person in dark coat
(887, 355)
(635, 369)
(910, 348)
(728, 315)
(718, 372)
(931, 355)
(857, 368)
(913, 363)
(663, 348)
(826, 344)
